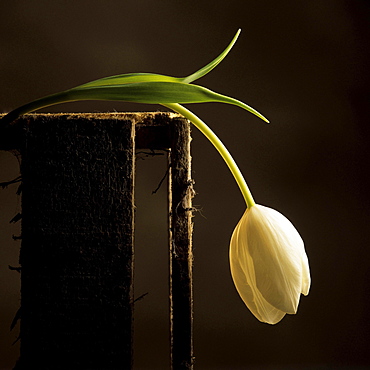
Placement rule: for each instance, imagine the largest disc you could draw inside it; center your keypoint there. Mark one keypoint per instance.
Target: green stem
(211, 136)
(62, 97)
(225, 154)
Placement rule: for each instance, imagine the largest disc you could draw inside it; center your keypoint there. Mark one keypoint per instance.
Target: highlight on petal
(306, 277)
(268, 264)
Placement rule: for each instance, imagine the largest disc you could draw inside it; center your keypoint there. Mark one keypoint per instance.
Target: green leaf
(148, 77)
(141, 88)
(208, 68)
(129, 78)
(156, 92)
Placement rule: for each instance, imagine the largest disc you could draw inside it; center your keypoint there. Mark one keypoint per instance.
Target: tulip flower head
(268, 261)
(268, 264)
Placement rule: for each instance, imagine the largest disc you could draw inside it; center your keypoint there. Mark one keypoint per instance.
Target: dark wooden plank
(77, 245)
(181, 255)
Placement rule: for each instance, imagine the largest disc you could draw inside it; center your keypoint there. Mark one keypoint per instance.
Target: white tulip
(269, 264)
(268, 261)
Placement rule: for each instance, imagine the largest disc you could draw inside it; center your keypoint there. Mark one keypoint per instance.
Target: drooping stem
(71, 95)
(218, 144)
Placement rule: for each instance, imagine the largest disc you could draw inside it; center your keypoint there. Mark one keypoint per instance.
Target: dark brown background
(304, 64)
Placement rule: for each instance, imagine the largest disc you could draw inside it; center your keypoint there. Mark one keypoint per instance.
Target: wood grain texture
(181, 254)
(77, 246)
(77, 236)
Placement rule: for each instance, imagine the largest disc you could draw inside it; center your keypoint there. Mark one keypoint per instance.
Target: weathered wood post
(77, 236)
(180, 193)
(181, 255)
(77, 243)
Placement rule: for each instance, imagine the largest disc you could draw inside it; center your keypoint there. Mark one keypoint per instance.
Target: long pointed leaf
(129, 78)
(160, 93)
(208, 68)
(141, 88)
(146, 77)
(143, 92)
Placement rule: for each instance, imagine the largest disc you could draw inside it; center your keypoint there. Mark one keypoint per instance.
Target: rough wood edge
(147, 137)
(180, 194)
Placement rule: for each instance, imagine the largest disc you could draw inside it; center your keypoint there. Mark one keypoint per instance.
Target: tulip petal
(268, 263)
(306, 277)
(242, 271)
(273, 242)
